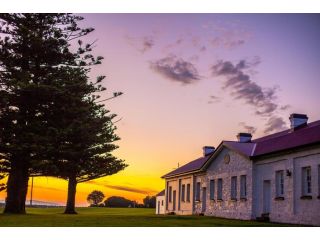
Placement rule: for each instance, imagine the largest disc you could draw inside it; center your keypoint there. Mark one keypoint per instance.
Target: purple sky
(191, 80)
(195, 79)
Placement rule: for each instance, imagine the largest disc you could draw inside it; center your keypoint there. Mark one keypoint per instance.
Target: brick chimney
(207, 150)
(244, 137)
(297, 120)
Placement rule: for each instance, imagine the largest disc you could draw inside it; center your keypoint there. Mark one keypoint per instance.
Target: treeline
(53, 121)
(96, 199)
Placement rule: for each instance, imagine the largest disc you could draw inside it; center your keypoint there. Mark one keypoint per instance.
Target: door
(174, 200)
(266, 196)
(204, 199)
(158, 207)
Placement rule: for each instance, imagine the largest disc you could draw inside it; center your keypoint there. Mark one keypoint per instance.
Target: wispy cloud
(239, 81)
(176, 69)
(247, 128)
(144, 191)
(274, 123)
(214, 99)
(242, 87)
(142, 44)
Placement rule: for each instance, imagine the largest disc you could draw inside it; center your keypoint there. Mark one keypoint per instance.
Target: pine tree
(84, 135)
(34, 52)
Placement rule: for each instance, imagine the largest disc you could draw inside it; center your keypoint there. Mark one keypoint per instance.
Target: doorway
(266, 196)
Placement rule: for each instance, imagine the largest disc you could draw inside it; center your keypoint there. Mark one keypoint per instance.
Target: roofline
(292, 149)
(218, 149)
(181, 174)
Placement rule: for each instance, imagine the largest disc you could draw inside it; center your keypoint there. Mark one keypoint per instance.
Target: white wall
(160, 205)
(292, 209)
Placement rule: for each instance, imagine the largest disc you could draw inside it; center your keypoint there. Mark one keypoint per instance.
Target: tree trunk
(17, 188)
(72, 188)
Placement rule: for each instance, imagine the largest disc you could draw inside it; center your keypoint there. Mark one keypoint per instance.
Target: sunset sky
(191, 80)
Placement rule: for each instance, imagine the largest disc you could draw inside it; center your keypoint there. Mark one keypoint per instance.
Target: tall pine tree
(83, 134)
(34, 48)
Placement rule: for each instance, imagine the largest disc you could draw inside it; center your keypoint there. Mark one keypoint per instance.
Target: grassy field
(116, 217)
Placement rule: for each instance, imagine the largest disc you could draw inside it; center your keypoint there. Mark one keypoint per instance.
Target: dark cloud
(142, 44)
(226, 42)
(274, 124)
(247, 128)
(285, 107)
(242, 87)
(147, 44)
(176, 69)
(123, 188)
(214, 99)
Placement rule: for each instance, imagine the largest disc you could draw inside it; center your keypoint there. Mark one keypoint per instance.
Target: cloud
(275, 124)
(214, 99)
(243, 88)
(176, 69)
(226, 42)
(249, 129)
(285, 107)
(142, 44)
(147, 43)
(124, 188)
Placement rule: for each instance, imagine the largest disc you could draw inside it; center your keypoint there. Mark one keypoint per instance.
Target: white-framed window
(243, 186)
(170, 194)
(212, 189)
(279, 183)
(162, 203)
(306, 181)
(219, 190)
(183, 192)
(234, 187)
(188, 192)
(198, 191)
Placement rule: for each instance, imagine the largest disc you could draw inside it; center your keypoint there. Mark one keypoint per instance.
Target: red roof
(305, 135)
(285, 140)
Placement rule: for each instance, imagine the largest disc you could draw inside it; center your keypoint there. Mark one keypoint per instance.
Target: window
(219, 193)
(306, 181)
(234, 188)
(243, 186)
(170, 194)
(162, 203)
(198, 192)
(183, 190)
(188, 192)
(212, 189)
(279, 183)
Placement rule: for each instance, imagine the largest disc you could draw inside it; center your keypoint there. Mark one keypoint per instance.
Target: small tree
(116, 201)
(149, 202)
(95, 197)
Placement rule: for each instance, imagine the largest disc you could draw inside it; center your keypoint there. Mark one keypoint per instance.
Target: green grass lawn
(116, 217)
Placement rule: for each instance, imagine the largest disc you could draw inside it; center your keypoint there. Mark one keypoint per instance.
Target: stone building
(276, 178)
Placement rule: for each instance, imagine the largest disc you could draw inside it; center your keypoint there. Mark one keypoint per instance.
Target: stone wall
(227, 207)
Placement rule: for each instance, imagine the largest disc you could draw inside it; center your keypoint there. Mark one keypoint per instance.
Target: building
(160, 203)
(276, 178)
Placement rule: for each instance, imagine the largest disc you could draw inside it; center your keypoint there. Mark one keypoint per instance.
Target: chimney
(244, 137)
(207, 150)
(297, 120)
